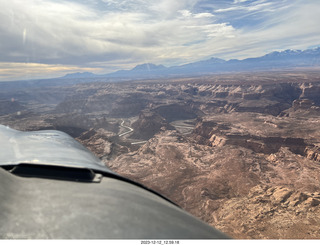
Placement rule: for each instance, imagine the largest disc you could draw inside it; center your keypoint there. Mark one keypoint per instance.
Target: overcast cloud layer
(48, 38)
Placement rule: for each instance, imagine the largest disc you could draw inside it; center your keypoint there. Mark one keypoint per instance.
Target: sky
(50, 38)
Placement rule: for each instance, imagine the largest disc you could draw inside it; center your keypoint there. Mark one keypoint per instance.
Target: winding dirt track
(126, 127)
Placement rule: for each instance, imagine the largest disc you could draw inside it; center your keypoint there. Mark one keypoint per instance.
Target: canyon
(240, 151)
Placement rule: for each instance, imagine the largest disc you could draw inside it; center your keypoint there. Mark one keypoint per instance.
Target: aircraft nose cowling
(63, 200)
(48, 147)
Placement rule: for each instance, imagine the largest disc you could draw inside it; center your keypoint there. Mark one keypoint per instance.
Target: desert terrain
(240, 151)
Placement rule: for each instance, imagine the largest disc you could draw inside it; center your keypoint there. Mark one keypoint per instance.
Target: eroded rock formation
(240, 152)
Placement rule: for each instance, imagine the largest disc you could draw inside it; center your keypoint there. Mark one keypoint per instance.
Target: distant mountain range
(275, 60)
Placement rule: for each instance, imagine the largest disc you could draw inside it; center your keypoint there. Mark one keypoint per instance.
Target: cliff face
(313, 153)
(250, 166)
(273, 213)
(98, 141)
(220, 134)
(243, 193)
(148, 124)
(240, 152)
(310, 91)
(175, 112)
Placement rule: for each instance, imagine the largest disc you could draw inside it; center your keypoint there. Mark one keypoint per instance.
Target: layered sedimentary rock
(240, 152)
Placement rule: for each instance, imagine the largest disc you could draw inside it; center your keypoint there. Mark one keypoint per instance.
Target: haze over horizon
(46, 38)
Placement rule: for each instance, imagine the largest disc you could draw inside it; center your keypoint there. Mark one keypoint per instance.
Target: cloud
(169, 8)
(240, 1)
(57, 33)
(278, 27)
(203, 15)
(13, 71)
(187, 13)
(112, 34)
(249, 8)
